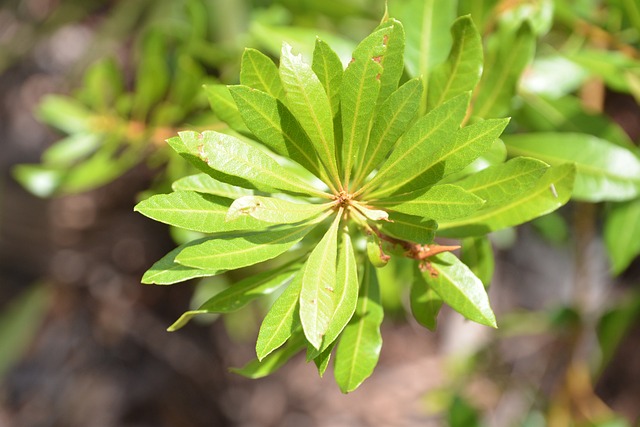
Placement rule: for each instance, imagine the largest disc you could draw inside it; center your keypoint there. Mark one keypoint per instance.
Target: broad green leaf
(359, 93)
(438, 202)
(359, 346)
(425, 302)
(568, 114)
(462, 69)
(276, 127)
(259, 72)
(317, 298)
(205, 213)
(167, 271)
(229, 155)
(235, 251)
(393, 60)
(469, 144)
(390, 121)
(272, 210)
(622, 234)
(428, 39)
(507, 58)
(496, 184)
(345, 293)
(224, 107)
(274, 361)
(64, 113)
(241, 293)
(281, 320)
(328, 67)
(413, 151)
(460, 288)
(604, 171)
(409, 227)
(203, 183)
(477, 254)
(551, 191)
(309, 103)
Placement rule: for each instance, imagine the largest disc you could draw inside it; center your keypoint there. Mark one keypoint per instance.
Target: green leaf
(328, 67)
(205, 213)
(241, 293)
(551, 191)
(359, 93)
(275, 126)
(391, 120)
(426, 23)
(345, 293)
(322, 360)
(425, 302)
(507, 58)
(274, 361)
(64, 113)
(469, 144)
(393, 60)
(409, 227)
(463, 68)
(605, 171)
(152, 76)
(438, 202)
(622, 234)
(203, 183)
(72, 149)
(224, 107)
(235, 251)
(436, 129)
(460, 289)
(281, 320)
(496, 184)
(167, 271)
(274, 210)
(103, 83)
(317, 298)
(308, 101)
(477, 254)
(259, 72)
(359, 347)
(229, 155)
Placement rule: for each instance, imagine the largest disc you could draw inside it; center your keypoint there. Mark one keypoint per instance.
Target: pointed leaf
(622, 234)
(445, 159)
(460, 289)
(328, 67)
(438, 202)
(391, 120)
(359, 347)
(393, 60)
(231, 252)
(274, 361)
(551, 191)
(425, 302)
(224, 107)
(259, 72)
(317, 298)
(274, 210)
(359, 93)
(411, 156)
(205, 213)
(409, 227)
(462, 69)
(231, 156)
(308, 101)
(167, 272)
(203, 183)
(605, 171)
(241, 293)
(322, 360)
(275, 126)
(281, 320)
(496, 184)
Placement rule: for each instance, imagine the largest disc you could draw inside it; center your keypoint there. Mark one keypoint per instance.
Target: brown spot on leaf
(202, 154)
(377, 59)
(385, 39)
(352, 60)
(378, 76)
(200, 136)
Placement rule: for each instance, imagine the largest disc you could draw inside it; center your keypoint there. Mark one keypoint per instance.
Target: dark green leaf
(477, 254)
(425, 302)
(274, 361)
(409, 227)
(622, 234)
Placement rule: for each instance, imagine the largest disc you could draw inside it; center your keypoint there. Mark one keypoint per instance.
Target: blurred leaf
(64, 113)
(604, 171)
(359, 347)
(552, 77)
(103, 83)
(274, 361)
(614, 325)
(460, 288)
(462, 414)
(425, 302)
(152, 76)
(616, 69)
(477, 254)
(622, 234)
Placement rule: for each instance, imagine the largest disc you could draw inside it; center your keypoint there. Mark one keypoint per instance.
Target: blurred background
(89, 91)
